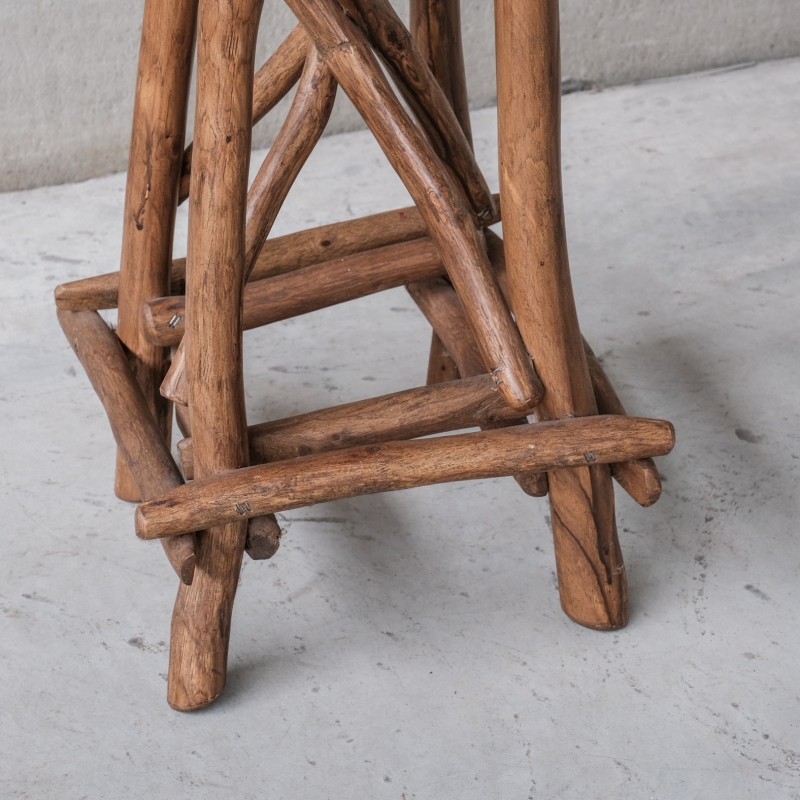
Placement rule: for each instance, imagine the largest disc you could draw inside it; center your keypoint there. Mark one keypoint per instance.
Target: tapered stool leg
(156, 155)
(215, 272)
(591, 573)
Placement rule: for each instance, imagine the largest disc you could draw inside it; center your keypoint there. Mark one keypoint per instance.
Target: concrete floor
(411, 645)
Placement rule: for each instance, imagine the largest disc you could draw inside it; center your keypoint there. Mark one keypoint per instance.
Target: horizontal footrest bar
(279, 255)
(410, 414)
(258, 490)
(309, 289)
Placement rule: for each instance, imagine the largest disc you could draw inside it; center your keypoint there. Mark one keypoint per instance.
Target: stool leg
(436, 28)
(215, 267)
(156, 156)
(591, 573)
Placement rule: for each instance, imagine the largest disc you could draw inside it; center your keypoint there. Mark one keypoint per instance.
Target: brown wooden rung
(278, 256)
(322, 477)
(409, 414)
(310, 288)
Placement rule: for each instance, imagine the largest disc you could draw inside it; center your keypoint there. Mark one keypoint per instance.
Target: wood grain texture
(408, 414)
(304, 125)
(392, 466)
(159, 128)
(427, 99)
(263, 537)
(300, 132)
(271, 84)
(439, 303)
(448, 219)
(441, 365)
(138, 436)
(639, 478)
(591, 573)
(279, 255)
(436, 29)
(202, 616)
(311, 288)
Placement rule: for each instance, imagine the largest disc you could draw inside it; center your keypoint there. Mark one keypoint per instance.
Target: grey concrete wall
(67, 70)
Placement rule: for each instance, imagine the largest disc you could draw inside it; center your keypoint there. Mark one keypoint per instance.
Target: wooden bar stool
(507, 354)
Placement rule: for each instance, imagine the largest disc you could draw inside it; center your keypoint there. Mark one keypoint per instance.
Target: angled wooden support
(591, 572)
(439, 303)
(427, 99)
(138, 436)
(309, 289)
(449, 222)
(387, 467)
(271, 84)
(409, 414)
(300, 132)
(159, 125)
(639, 478)
(202, 617)
(436, 28)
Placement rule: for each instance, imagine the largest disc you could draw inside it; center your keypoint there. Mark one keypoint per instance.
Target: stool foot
(201, 621)
(591, 573)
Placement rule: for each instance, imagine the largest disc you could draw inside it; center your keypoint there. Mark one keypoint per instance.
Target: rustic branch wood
(507, 354)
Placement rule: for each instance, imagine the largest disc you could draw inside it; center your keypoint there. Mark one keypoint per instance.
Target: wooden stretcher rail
(409, 414)
(309, 289)
(639, 477)
(319, 478)
(278, 256)
(439, 303)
